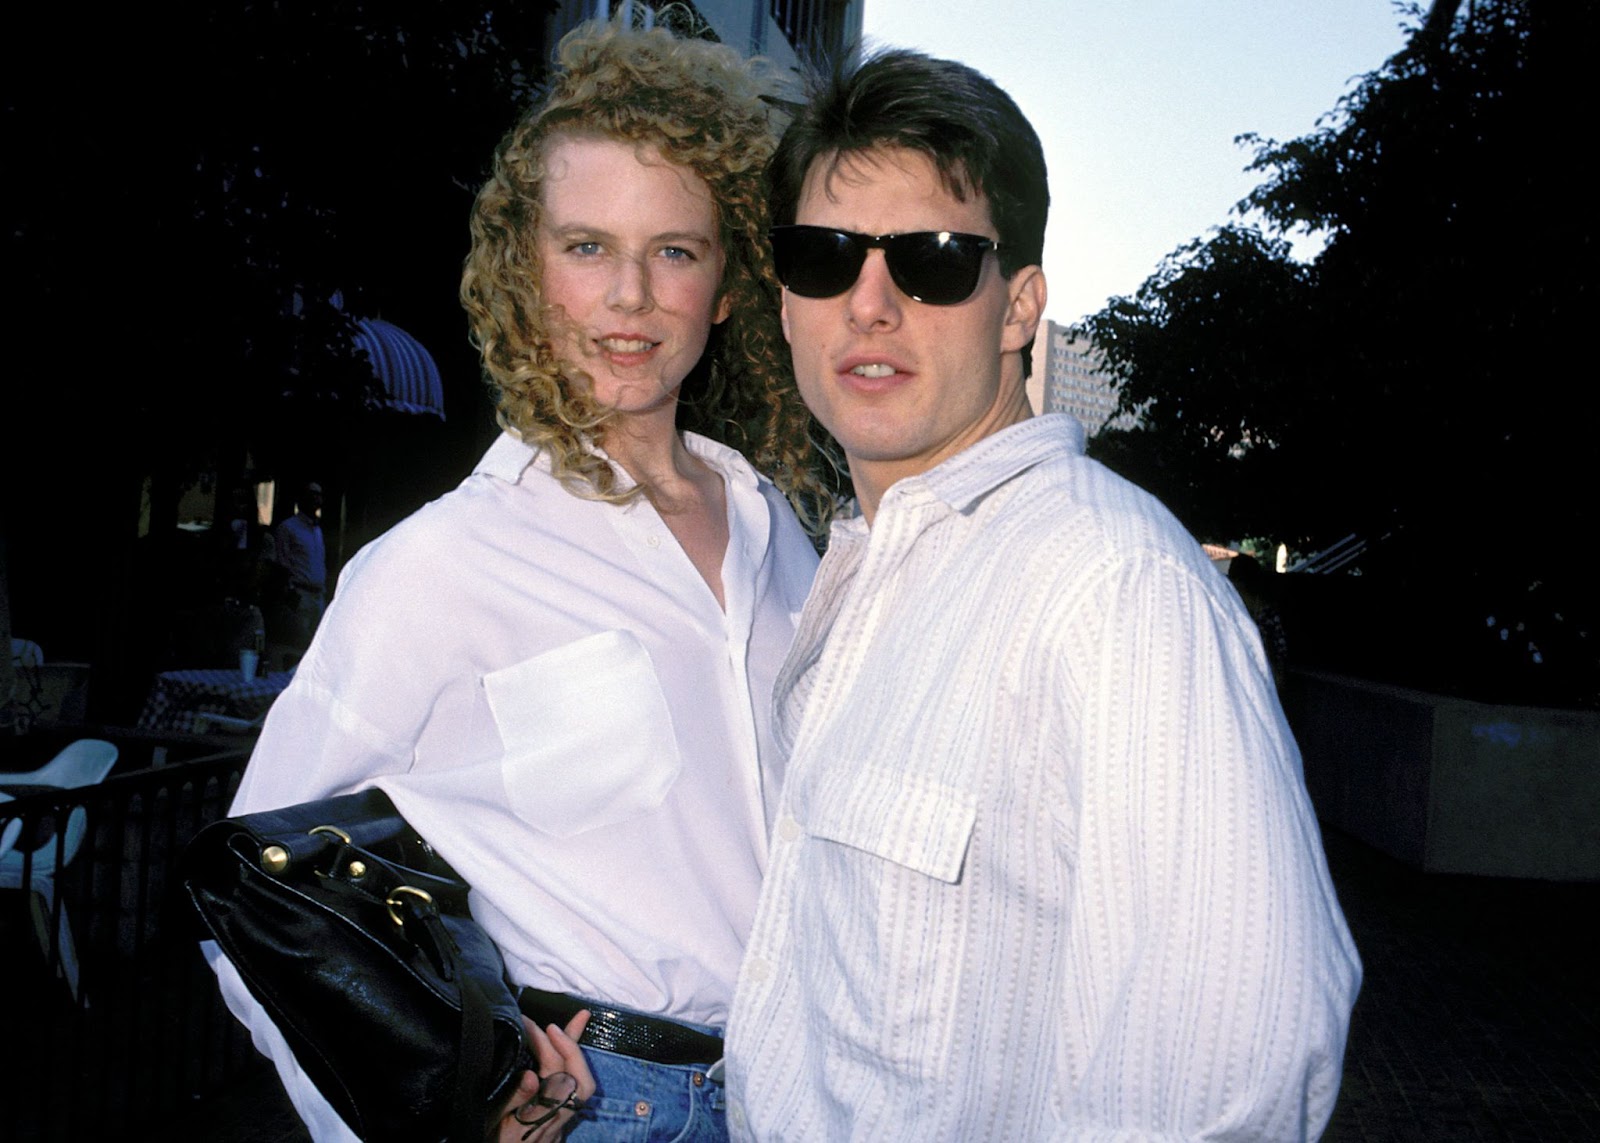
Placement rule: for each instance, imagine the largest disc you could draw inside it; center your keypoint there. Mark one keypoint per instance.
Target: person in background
(301, 558)
(561, 672)
(1044, 866)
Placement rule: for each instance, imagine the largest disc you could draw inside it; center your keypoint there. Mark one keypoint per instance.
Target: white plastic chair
(8, 836)
(21, 707)
(82, 763)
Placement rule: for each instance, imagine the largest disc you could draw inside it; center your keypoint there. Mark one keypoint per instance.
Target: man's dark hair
(959, 118)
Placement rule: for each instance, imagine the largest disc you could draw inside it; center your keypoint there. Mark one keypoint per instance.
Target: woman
(561, 671)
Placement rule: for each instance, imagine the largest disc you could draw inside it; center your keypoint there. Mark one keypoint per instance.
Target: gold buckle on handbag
(395, 901)
(275, 859)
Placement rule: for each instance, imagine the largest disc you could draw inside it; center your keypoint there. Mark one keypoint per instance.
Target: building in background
(1068, 379)
(785, 31)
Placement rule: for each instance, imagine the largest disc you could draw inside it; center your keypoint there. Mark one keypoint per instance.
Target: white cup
(248, 661)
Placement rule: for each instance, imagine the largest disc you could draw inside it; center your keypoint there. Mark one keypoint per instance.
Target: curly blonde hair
(702, 105)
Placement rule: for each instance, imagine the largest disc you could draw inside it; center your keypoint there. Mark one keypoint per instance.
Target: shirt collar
(979, 469)
(725, 459)
(508, 457)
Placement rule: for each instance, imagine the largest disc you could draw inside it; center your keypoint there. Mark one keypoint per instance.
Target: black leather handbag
(355, 937)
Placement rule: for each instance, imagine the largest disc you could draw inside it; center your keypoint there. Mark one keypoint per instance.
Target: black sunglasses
(937, 267)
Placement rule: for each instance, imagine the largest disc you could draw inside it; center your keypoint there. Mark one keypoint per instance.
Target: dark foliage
(193, 182)
(188, 185)
(1422, 379)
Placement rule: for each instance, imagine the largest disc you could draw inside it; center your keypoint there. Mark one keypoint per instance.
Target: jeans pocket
(607, 1120)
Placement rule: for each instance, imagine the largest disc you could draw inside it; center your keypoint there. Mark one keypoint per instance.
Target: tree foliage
(188, 187)
(1422, 378)
(194, 182)
(1213, 424)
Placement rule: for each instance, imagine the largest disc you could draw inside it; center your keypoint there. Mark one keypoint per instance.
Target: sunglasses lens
(938, 269)
(814, 262)
(935, 267)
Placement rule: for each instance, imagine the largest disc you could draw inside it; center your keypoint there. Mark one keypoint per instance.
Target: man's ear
(1025, 309)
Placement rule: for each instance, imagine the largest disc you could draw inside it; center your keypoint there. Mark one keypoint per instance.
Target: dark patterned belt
(626, 1033)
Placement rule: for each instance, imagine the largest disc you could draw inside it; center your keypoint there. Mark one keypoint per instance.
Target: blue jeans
(636, 1101)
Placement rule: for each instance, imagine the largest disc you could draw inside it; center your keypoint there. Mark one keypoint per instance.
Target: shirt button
(789, 829)
(642, 1108)
(736, 1114)
(759, 968)
(652, 541)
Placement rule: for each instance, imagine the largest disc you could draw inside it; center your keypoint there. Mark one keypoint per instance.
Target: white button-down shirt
(550, 693)
(1044, 865)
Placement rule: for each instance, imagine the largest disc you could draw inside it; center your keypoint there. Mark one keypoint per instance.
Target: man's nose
(875, 301)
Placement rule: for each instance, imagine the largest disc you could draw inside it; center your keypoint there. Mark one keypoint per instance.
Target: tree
(1212, 426)
(189, 186)
(203, 178)
(1421, 377)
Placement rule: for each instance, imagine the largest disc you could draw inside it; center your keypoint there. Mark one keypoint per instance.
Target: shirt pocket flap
(920, 824)
(587, 734)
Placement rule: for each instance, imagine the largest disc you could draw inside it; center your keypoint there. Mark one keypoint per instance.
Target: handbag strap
(419, 918)
(467, 1115)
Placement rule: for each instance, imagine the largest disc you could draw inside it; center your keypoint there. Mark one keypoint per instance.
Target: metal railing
(1332, 558)
(144, 1032)
(813, 27)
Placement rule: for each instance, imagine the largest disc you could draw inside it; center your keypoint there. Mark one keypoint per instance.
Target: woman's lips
(626, 344)
(625, 349)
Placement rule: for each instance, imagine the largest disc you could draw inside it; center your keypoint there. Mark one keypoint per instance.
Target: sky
(1138, 102)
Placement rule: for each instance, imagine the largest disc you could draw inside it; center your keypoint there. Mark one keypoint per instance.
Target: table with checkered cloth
(177, 697)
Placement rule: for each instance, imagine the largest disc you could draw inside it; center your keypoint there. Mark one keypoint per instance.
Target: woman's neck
(648, 448)
(687, 493)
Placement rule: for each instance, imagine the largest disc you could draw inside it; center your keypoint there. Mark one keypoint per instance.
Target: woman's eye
(587, 249)
(676, 254)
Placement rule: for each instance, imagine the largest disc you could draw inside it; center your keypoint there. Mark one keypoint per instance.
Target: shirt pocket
(900, 927)
(587, 735)
(914, 822)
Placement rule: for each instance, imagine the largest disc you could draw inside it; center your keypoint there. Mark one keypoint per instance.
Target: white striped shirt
(1044, 866)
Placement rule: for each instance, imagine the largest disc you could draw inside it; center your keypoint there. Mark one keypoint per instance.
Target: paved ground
(1479, 1018)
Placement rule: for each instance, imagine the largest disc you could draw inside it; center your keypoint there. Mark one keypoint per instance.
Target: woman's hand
(554, 1050)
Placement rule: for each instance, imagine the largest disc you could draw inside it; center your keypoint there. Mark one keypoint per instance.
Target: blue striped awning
(407, 371)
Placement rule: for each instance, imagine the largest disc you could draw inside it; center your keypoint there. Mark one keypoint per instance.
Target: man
(300, 551)
(1043, 865)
